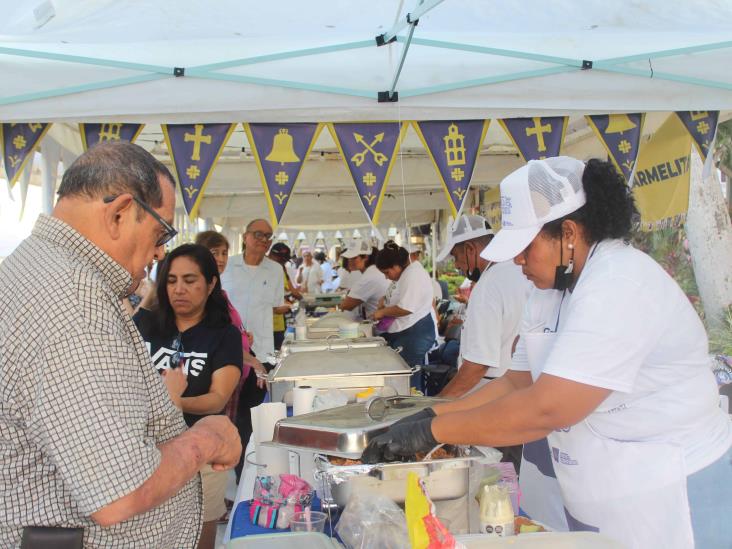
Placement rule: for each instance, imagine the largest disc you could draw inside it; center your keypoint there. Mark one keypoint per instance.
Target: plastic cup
(308, 521)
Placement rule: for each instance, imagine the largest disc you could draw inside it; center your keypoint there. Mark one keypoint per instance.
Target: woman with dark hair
(410, 317)
(194, 345)
(611, 367)
(363, 297)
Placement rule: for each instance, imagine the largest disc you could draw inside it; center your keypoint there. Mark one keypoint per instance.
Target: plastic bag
(332, 398)
(372, 521)
(277, 499)
(424, 528)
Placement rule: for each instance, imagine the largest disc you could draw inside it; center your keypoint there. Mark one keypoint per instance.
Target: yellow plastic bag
(424, 528)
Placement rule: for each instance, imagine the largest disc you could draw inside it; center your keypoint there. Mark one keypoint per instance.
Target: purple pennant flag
(19, 141)
(369, 150)
(195, 148)
(537, 137)
(620, 134)
(702, 126)
(280, 151)
(453, 147)
(91, 134)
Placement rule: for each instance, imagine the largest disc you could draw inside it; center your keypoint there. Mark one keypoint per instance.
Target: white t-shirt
(327, 276)
(493, 317)
(312, 277)
(370, 288)
(414, 289)
(254, 291)
(436, 290)
(628, 327)
(348, 278)
(292, 273)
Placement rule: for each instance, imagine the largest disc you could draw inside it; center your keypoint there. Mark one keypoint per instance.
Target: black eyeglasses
(262, 237)
(170, 231)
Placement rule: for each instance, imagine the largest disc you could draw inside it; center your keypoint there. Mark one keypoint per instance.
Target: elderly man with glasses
(256, 288)
(91, 438)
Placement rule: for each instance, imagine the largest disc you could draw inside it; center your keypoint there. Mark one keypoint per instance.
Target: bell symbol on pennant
(454, 146)
(282, 148)
(619, 123)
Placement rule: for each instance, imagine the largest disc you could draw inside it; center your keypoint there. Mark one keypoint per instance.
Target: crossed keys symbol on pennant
(360, 157)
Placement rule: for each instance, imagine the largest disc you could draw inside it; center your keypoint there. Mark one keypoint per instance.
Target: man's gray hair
(114, 168)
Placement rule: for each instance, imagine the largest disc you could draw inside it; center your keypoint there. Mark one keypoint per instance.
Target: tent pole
(402, 59)
(50, 155)
(423, 7)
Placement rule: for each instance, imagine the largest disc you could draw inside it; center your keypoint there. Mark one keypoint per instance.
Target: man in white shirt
(494, 311)
(256, 286)
(310, 276)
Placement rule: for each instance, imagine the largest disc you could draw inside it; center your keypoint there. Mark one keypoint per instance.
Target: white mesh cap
(535, 194)
(466, 227)
(355, 248)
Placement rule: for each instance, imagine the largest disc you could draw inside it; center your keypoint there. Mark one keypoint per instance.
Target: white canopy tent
(67, 61)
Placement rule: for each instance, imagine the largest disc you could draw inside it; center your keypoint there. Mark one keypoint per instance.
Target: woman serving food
(611, 367)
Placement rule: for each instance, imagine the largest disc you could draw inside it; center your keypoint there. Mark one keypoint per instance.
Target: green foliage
(720, 339)
(453, 281)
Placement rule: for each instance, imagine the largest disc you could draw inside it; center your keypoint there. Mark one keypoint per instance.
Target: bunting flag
(702, 126)
(661, 183)
(453, 147)
(286, 147)
(537, 137)
(620, 134)
(91, 134)
(369, 150)
(19, 142)
(194, 149)
(492, 207)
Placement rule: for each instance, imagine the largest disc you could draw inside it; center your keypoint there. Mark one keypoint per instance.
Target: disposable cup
(301, 522)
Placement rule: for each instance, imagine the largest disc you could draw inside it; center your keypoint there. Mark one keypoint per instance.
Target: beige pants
(214, 489)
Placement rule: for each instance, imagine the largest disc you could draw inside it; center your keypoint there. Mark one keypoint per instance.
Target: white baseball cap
(356, 248)
(535, 194)
(466, 227)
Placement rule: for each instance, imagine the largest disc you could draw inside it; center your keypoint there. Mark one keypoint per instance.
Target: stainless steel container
(443, 478)
(354, 369)
(346, 431)
(329, 344)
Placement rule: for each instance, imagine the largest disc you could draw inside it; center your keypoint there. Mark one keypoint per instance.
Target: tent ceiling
(342, 85)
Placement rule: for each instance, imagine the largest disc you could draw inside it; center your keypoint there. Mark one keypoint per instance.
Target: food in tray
(444, 452)
(523, 525)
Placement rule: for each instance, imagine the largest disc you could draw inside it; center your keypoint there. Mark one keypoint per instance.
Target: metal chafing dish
(354, 369)
(330, 325)
(346, 431)
(329, 344)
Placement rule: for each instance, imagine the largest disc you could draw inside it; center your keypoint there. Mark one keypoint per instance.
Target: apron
(633, 492)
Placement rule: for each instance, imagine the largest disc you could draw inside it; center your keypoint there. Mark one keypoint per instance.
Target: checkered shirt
(82, 410)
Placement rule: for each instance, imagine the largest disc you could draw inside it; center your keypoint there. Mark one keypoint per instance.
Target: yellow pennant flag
(661, 182)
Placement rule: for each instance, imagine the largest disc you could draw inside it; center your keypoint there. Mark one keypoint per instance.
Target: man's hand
(250, 338)
(176, 382)
(378, 314)
(425, 413)
(224, 443)
(402, 440)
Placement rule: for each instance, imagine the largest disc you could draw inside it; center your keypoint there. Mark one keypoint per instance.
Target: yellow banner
(661, 182)
(492, 207)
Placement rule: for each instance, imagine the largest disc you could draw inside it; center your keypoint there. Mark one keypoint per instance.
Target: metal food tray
(329, 344)
(443, 478)
(335, 369)
(344, 431)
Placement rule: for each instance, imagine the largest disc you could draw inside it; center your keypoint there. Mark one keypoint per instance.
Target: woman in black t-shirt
(190, 334)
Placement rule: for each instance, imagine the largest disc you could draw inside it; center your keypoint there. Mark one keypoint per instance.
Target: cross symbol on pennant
(624, 146)
(197, 138)
(282, 178)
(19, 142)
(457, 174)
(702, 127)
(369, 179)
(539, 130)
(193, 172)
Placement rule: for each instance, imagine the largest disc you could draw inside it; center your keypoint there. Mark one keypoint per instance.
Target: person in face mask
(612, 367)
(494, 311)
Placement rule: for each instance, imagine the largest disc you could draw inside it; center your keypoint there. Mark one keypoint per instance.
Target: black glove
(424, 413)
(402, 440)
